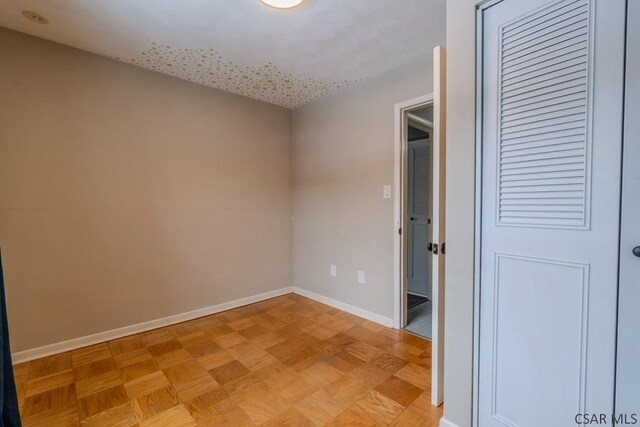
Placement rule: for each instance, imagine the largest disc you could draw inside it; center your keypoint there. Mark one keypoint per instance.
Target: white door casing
(439, 151)
(551, 150)
(628, 357)
(400, 201)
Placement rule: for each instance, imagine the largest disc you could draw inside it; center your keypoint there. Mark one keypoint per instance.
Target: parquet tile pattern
(289, 361)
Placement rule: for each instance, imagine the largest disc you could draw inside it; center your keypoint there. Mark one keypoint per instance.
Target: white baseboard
(72, 344)
(357, 311)
(75, 343)
(445, 423)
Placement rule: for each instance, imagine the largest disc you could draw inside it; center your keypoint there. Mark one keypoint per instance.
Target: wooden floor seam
(288, 361)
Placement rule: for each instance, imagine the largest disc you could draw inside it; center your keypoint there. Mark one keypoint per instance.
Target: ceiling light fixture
(282, 4)
(35, 17)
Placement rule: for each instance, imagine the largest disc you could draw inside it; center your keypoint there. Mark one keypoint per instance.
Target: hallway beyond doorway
(419, 319)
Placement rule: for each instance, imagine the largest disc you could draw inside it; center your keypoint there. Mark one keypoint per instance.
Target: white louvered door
(551, 150)
(419, 221)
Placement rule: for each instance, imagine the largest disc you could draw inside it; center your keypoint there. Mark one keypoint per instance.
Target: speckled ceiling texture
(286, 58)
(207, 67)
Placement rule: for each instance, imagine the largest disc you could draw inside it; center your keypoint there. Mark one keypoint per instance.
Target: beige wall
(460, 211)
(127, 196)
(343, 156)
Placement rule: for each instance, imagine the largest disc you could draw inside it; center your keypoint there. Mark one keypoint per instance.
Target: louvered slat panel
(542, 216)
(559, 223)
(569, 149)
(540, 197)
(566, 15)
(575, 201)
(516, 127)
(568, 30)
(550, 14)
(538, 185)
(524, 94)
(568, 169)
(574, 189)
(536, 86)
(558, 74)
(543, 118)
(547, 51)
(571, 58)
(542, 76)
(561, 53)
(544, 112)
(555, 57)
(561, 209)
(566, 38)
(541, 160)
(573, 128)
(571, 141)
(421, 180)
(574, 92)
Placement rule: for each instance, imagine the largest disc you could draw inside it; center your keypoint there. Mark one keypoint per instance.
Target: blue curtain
(8, 395)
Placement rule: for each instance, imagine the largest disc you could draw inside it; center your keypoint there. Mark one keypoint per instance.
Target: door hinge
(400, 231)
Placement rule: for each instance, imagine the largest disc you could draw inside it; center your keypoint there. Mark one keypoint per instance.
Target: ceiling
(425, 113)
(286, 57)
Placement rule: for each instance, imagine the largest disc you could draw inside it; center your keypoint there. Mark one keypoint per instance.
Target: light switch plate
(386, 191)
(333, 271)
(361, 277)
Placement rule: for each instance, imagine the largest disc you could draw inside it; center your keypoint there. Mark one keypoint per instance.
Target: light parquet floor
(288, 361)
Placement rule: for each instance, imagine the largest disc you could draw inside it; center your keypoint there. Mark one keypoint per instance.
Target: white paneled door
(552, 97)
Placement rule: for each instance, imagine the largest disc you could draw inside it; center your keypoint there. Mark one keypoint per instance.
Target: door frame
(400, 198)
(626, 291)
(477, 238)
(477, 235)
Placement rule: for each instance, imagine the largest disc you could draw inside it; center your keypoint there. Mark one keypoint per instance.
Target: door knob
(636, 251)
(429, 246)
(413, 219)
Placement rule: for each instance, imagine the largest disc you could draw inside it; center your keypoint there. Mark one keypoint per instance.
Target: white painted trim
(75, 343)
(419, 101)
(72, 344)
(477, 255)
(399, 201)
(439, 216)
(356, 311)
(446, 423)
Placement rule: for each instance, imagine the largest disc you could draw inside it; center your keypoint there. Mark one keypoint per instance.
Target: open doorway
(419, 214)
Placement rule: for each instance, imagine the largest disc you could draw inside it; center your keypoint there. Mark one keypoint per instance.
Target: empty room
(320, 213)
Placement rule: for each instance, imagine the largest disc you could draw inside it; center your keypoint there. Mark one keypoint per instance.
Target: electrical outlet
(333, 271)
(386, 191)
(361, 277)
